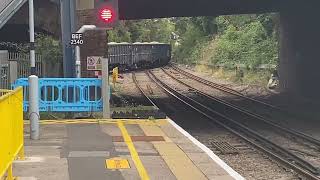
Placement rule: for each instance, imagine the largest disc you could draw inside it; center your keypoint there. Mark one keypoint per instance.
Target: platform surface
(134, 149)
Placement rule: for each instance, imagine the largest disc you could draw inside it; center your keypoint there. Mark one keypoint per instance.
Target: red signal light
(106, 15)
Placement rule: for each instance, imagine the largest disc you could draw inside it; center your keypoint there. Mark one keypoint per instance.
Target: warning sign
(94, 63)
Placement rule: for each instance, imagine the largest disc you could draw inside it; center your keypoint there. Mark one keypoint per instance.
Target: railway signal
(107, 13)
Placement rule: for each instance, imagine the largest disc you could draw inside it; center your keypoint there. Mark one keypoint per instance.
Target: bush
(249, 45)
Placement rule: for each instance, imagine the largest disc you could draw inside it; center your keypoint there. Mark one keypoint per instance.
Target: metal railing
(65, 94)
(23, 64)
(11, 130)
(17, 65)
(4, 77)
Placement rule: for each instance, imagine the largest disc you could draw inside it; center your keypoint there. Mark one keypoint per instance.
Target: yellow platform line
(134, 154)
(157, 122)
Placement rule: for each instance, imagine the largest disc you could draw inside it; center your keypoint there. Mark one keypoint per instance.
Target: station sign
(76, 39)
(94, 63)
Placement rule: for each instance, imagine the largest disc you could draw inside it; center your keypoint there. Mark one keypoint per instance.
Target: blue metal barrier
(65, 94)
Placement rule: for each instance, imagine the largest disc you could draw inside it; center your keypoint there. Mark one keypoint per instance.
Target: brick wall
(94, 41)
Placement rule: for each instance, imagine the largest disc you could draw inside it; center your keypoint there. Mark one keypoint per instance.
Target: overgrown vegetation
(248, 40)
(159, 30)
(229, 40)
(49, 48)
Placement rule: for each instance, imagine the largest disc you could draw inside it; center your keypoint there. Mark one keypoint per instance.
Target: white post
(105, 89)
(33, 81)
(78, 62)
(31, 29)
(105, 83)
(34, 107)
(83, 29)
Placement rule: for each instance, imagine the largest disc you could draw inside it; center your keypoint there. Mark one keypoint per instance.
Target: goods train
(128, 56)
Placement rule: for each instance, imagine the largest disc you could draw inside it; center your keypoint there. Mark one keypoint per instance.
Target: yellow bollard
(115, 74)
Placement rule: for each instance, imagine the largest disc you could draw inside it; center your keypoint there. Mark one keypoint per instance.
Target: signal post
(106, 17)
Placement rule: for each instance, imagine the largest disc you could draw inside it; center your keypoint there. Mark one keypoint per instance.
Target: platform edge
(213, 156)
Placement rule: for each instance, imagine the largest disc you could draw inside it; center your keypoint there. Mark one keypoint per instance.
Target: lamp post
(33, 81)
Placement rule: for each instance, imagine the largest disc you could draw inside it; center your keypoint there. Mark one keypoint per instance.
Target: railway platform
(99, 149)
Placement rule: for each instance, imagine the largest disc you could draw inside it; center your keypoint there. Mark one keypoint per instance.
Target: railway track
(249, 135)
(225, 89)
(249, 119)
(304, 137)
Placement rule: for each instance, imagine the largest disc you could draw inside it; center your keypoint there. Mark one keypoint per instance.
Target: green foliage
(143, 31)
(119, 33)
(49, 48)
(194, 34)
(228, 40)
(248, 44)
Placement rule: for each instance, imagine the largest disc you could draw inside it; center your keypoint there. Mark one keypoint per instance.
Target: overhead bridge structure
(8, 8)
(142, 9)
(14, 19)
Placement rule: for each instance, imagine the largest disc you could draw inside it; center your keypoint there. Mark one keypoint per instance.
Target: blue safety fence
(65, 94)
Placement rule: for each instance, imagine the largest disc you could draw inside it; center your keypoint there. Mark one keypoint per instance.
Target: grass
(251, 77)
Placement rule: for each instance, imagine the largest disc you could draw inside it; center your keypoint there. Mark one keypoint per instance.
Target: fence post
(13, 71)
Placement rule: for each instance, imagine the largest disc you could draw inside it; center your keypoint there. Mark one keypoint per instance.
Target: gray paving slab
(49, 135)
(87, 137)
(207, 165)
(42, 151)
(143, 148)
(111, 129)
(91, 169)
(211, 169)
(50, 169)
(83, 143)
(79, 154)
(200, 158)
(157, 168)
(132, 172)
(134, 130)
(43, 163)
(171, 132)
(189, 148)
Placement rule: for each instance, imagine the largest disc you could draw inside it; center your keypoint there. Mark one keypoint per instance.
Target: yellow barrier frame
(11, 130)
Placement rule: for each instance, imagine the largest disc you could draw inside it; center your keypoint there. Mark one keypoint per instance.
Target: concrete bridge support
(299, 68)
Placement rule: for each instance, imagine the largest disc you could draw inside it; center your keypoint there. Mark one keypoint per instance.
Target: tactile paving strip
(225, 147)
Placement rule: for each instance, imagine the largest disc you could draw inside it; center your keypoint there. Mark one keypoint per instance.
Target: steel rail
(268, 121)
(223, 88)
(134, 78)
(289, 161)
